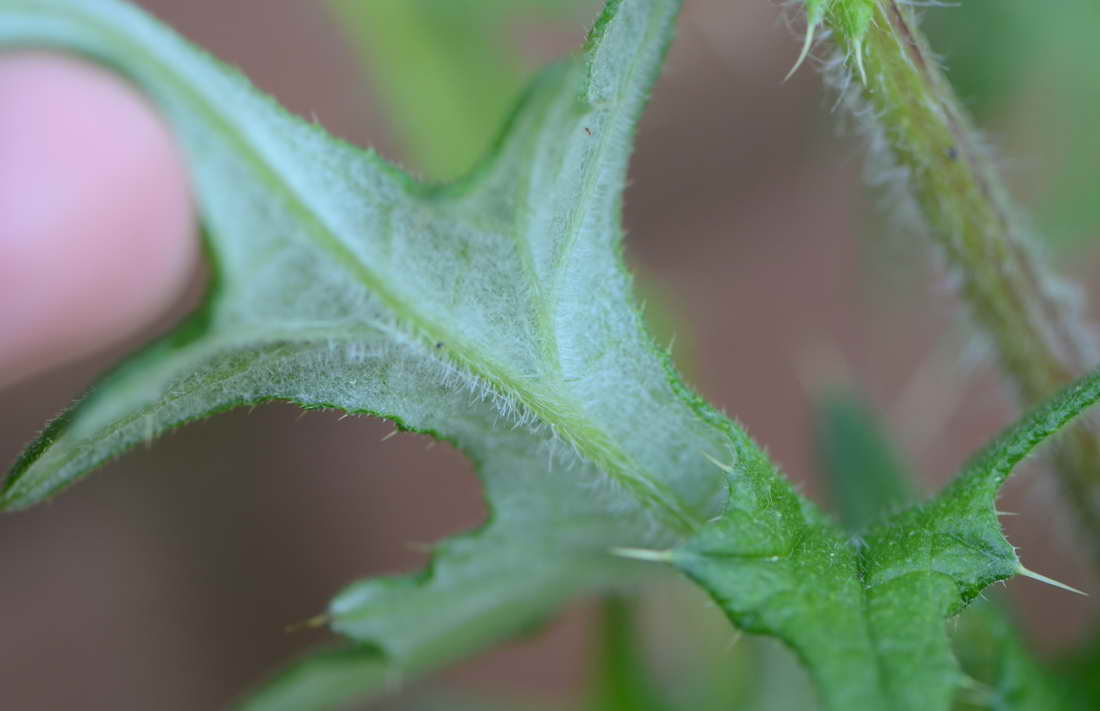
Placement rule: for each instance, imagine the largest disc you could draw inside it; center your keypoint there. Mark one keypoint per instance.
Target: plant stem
(622, 682)
(1036, 329)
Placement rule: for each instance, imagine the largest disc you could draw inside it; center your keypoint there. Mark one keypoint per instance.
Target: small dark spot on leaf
(438, 345)
(588, 130)
(952, 153)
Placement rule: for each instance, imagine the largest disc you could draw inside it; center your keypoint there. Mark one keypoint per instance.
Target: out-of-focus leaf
(865, 472)
(444, 69)
(327, 679)
(1035, 59)
(1004, 675)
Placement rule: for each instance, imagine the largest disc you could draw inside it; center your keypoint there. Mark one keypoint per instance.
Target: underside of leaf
(494, 313)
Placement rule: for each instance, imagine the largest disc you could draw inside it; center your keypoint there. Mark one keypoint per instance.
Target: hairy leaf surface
(495, 313)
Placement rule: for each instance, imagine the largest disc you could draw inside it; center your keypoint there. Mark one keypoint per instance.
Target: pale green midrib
(547, 321)
(521, 224)
(880, 689)
(879, 646)
(572, 228)
(589, 439)
(869, 629)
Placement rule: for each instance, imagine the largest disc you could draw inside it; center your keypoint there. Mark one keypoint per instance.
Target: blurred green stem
(621, 681)
(1036, 331)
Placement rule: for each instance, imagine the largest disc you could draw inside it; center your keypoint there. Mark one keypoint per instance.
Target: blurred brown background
(167, 580)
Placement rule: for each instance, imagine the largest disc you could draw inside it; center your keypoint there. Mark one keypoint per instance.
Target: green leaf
(867, 615)
(325, 679)
(494, 313)
(867, 480)
(345, 677)
(339, 282)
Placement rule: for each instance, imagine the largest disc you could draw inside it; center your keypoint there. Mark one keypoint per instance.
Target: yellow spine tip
(807, 43)
(857, 49)
(649, 556)
(1049, 581)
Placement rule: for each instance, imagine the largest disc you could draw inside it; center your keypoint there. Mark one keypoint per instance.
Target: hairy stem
(1013, 295)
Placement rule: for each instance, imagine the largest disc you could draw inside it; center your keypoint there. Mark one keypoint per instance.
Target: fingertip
(97, 227)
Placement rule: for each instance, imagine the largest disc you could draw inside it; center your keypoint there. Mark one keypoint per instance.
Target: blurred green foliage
(621, 681)
(698, 662)
(447, 71)
(1037, 60)
(865, 473)
(1004, 675)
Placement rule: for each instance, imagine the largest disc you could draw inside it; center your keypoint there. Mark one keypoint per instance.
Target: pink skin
(97, 228)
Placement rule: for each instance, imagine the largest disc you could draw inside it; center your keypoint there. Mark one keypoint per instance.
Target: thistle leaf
(494, 313)
(324, 680)
(340, 282)
(866, 615)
